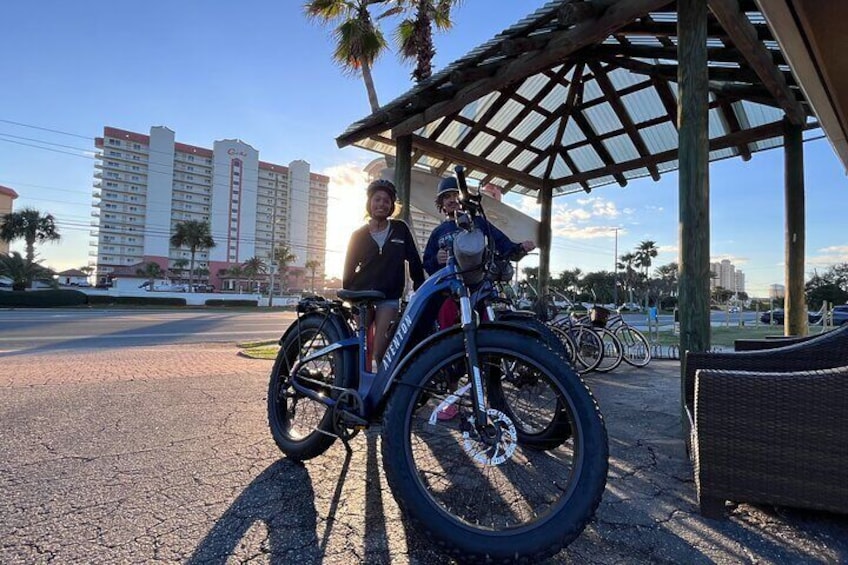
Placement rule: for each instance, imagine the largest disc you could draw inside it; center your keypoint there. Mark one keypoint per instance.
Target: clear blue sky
(260, 72)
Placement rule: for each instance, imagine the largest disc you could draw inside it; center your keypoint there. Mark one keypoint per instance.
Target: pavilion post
(546, 197)
(403, 174)
(795, 311)
(694, 183)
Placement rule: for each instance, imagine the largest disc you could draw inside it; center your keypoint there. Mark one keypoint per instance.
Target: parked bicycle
(520, 469)
(636, 349)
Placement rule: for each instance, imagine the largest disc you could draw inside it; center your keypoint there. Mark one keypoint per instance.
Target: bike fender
(338, 324)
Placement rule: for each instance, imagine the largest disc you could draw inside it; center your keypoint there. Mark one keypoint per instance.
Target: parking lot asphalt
(162, 455)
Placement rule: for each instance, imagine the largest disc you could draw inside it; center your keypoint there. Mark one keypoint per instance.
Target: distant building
(146, 184)
(727, 276)
(777, 291)
(7, 195)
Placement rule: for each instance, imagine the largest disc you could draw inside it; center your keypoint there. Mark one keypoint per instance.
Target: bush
(43, 298)
(137, 300)
(223, 302)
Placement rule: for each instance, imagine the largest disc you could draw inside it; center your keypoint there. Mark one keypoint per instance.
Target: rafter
(623, 116)
(530, 63)
(461, 157)
(744, 37)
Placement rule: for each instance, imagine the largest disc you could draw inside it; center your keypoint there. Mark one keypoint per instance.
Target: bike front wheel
(485, 496)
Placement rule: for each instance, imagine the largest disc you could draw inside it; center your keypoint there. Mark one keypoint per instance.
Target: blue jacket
(443, 236)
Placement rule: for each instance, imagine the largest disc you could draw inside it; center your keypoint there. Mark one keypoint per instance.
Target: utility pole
(273, 242)
(615, 270)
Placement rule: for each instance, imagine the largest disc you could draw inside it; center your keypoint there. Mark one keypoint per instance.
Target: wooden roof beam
(574, 89)
(444, 152)
(597, 145)
(530, 63)
(669, 52)
(732, 125)
(744, 37)
(525, 111)
(759, 133)
(623, 116)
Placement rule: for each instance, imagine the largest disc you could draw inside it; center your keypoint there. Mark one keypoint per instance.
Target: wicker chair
(824, 351)
(773, 438)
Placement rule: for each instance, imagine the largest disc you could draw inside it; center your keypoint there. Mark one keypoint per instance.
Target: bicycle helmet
(447, 185)
(385, 185)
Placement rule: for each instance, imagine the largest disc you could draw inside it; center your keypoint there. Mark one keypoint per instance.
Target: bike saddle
(357, 296)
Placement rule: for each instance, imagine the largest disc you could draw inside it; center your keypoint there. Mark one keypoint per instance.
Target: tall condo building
(146, 184)
(727, 276)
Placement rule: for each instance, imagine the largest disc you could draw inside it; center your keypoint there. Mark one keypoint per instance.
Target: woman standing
(376, 257)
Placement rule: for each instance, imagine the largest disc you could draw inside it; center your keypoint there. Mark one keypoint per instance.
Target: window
(136, 146)
(114, 142)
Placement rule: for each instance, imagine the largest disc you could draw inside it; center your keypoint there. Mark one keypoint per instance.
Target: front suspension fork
(472, 363)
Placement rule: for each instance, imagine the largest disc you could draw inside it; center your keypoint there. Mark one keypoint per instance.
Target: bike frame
(373, 386)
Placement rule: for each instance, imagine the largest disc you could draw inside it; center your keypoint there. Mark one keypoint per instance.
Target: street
(57, 329)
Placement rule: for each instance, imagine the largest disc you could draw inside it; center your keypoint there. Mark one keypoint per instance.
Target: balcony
(95, 193)
(95, 213)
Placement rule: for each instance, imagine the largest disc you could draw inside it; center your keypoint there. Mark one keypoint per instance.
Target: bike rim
(462, 476)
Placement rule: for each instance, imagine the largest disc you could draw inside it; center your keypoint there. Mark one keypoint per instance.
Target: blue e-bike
(491, 442)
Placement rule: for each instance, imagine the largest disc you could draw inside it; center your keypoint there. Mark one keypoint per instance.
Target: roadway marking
(241, 337)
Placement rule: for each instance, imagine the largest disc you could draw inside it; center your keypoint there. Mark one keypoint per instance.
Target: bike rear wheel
(302, 427)
(613, 352)
(637, 351)
(491, 498)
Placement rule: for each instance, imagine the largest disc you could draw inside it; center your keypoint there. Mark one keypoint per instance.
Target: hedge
(222, 302)
(137, 300)
(42, 298)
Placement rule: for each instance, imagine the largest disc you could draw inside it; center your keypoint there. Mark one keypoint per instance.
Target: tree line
(35, 227)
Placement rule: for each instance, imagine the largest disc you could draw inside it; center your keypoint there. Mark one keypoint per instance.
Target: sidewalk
(649, 512)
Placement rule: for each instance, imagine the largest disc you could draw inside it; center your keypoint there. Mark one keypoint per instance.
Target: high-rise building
(727, 276)
(7, 195)
(146, 184)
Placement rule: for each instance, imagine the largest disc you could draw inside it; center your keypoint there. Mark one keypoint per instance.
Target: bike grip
(460, 180)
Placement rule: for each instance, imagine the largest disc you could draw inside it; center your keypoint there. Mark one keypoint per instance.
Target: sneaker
(449, 412)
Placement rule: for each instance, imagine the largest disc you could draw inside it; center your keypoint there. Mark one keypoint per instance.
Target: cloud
(827, 256)
(585, 218)
(668, 249)
(736, 261)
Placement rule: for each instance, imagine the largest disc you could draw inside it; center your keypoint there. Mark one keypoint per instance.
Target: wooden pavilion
(581, 94)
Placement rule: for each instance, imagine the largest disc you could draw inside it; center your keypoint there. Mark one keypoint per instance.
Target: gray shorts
(382, 304)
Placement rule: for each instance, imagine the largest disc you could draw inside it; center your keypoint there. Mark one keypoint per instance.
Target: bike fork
(469, 330)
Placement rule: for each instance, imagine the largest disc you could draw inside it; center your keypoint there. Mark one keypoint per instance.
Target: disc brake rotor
(500, 449)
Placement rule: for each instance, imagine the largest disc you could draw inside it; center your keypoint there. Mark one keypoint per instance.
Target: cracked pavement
(162, 455)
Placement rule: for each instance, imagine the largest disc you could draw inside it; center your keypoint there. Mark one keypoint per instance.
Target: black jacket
(367, 267)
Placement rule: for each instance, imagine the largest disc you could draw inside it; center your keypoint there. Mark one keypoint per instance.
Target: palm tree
(645, 251)
(31, 226)
(358, 41)
(236, 272)
(415, 34)
(195, 235)
(252, 267)
(626, 263)
(179, 267)
(312, 265)
(21, 271)
(283, 256)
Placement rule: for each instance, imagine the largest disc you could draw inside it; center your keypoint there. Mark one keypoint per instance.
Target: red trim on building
(6, 191)
(98, 142)
(316, 176)
(184, 148)
(273, 167)
(124, 134)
